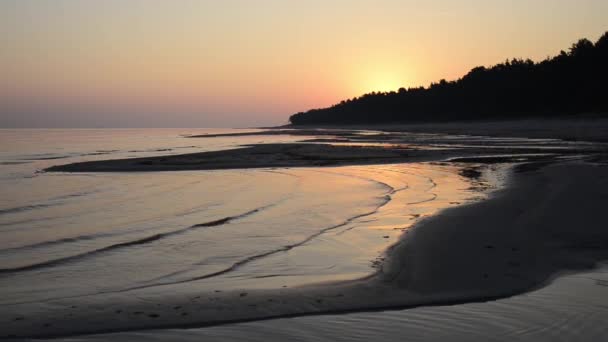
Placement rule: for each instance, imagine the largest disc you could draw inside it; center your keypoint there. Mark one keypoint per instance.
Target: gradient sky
(237, 63)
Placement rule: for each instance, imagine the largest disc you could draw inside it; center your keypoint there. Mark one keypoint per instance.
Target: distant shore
(592, 128)
(583, 127)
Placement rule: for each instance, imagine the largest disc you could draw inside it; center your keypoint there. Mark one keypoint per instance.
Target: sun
(380, 80)
(378, 72)
(384, 82)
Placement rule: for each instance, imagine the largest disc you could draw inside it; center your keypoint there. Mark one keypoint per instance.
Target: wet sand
(572, 308)
(321, 154)
(256, 156)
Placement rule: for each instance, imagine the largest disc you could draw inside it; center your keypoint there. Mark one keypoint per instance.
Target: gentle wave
(51, 202)
(26, 208)
(249, 259)
(140, 241)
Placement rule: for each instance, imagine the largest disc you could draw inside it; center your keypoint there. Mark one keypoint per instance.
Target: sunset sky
(237, 63)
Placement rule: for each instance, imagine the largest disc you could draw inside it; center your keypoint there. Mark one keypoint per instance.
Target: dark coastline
(566, 85)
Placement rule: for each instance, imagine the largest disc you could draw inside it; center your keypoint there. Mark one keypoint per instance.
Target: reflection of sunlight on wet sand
(193, 231)
(414, 191)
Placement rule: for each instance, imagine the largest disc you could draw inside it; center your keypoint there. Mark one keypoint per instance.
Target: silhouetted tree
(571, 82)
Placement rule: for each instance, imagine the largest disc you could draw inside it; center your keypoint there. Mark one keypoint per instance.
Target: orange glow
(381, 80)
(259, 60)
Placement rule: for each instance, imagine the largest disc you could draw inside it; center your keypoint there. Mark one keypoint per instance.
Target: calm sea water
(74, 235)
(96, 234)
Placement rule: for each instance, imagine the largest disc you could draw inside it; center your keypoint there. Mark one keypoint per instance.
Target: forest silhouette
(571, 83)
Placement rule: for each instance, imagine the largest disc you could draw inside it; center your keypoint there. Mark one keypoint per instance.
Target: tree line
(570, 83)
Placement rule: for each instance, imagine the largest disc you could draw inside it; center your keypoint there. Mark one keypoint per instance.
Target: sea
(82, 235)
(65, 235)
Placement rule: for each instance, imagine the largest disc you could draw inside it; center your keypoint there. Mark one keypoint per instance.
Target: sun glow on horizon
(385, 76)
(383, 81)
(113, 63)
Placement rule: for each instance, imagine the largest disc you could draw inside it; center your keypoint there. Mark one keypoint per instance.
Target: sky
(244, 63)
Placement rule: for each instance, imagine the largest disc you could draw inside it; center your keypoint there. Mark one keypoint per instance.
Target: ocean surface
(89, 235)
(81, 235)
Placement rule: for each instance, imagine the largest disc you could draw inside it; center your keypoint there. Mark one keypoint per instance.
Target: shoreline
(574, 129)
(435, 263)
(577, 299)
(580, 128)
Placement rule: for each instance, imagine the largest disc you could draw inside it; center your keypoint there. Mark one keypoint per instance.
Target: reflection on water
(69, 235)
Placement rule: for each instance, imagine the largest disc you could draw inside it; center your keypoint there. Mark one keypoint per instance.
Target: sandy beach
(571, 308)
(315, 171)
(542, 217)
(459, 256)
